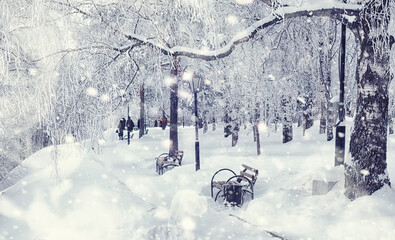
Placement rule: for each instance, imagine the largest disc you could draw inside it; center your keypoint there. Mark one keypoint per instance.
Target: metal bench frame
(246, 180)
(165, 161)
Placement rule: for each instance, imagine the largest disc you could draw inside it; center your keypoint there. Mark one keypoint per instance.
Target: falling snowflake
(187, 76)
(105, 98)
(271, 77)
(169, 81)
(365, 172)
(69, 138)
(188, 224)
(33, 71)
(184, 94)
(232, 20)
(91, 92)
(244, 2)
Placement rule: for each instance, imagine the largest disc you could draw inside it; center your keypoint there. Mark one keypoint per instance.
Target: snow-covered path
(113, 192)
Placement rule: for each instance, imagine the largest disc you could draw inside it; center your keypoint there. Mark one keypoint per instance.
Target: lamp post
(340, 142)
(195, 86)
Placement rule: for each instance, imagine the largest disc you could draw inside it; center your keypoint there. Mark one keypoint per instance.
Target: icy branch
(334, 10)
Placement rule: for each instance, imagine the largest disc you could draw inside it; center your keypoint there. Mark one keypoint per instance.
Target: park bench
(234, 188)
(166, 161)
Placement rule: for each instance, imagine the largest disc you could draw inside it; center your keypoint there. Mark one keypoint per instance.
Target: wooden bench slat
(245, 174)
(250, 168)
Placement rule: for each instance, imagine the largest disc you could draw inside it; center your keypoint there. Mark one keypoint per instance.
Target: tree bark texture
(258, 141)
(287, 119)
(368, 146)
(256, 129)
(142, 111)
(214, 126)
(323, 118)
(174, 107)
(205, 124)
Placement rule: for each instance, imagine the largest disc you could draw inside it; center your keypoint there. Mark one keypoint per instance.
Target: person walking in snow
(121, 127)
(130, 124)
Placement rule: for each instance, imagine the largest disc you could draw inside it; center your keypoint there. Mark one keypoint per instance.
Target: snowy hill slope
(114, 192)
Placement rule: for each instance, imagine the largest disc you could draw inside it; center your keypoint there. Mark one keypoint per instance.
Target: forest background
(69, 69)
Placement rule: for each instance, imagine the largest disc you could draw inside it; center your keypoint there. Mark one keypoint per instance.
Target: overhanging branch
(343, 12)
(339, 11)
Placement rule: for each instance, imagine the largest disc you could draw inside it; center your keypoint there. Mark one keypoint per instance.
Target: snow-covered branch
(335, 10)
(340, 11)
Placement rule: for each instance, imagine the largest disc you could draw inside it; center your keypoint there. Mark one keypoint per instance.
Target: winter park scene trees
(252, 119)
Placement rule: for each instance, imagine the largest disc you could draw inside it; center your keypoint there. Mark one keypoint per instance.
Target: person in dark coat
(130, 124)
(121, 127)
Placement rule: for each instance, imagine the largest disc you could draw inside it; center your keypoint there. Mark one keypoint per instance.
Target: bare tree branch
(338, 13)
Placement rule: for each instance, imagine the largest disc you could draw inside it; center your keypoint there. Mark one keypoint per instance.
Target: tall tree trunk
(309, 113)
(332, 117)
(214, 126)
(368, 146)
(164, 122)
(391, 125)
(205, 123)
(324, 85)
(258, 141)
(142, 111)
(174, 107)
(323, 118)
(235, 133)
(390, 116)
(256, 128)
(287, 119)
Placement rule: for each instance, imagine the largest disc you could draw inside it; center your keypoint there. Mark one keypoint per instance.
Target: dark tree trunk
(332, 117)
(390, 118)
(287, 119)
(214, 126)
(164, 122)
(256, 130)
(228, 126)
(235, 134)
(257, 139)
(174, 108)
(142, 111)
(324, 84)
(323, 118)
(309, 113)
(368, 146)
(330, 121)
(205, 124)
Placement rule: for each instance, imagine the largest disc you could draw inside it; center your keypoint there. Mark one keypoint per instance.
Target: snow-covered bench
(235, 187)
(166, 161)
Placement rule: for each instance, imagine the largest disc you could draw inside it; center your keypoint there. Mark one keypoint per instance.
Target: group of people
(129, 126)
(159, 123)
(125, 124)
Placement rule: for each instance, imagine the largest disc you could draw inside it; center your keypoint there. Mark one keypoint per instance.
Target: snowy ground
(114, 193)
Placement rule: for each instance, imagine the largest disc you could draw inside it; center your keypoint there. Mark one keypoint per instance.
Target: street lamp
(340, 142)
(195, 84)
